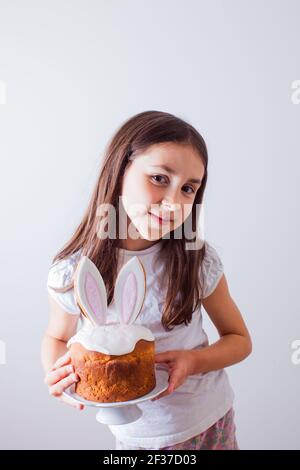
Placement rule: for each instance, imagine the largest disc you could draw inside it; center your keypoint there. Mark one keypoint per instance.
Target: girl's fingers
(69, 401)
(62, 361)
(168, 391)
(59, 380)
(167, 356)
(163, 394)
(57, 389)
(55, 376)
(162, 357)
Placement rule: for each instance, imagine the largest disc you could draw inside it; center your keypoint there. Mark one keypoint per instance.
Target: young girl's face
(159, 187)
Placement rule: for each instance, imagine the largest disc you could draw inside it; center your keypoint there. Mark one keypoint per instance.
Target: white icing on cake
(112, 338)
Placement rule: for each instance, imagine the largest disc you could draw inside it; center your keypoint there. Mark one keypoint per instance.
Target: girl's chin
(150, 235)
(153, 233)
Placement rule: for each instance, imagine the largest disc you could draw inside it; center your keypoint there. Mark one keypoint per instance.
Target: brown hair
(181, 266)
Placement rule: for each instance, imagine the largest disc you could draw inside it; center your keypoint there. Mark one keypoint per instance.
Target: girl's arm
(234, 344)
(60, 328)
(54, 353)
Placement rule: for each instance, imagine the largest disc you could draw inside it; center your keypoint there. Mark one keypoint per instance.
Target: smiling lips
(161, 220)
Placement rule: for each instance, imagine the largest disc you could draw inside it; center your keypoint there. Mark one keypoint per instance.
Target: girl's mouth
(160, 220)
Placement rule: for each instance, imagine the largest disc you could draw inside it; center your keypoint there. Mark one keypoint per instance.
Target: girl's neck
(136, 245)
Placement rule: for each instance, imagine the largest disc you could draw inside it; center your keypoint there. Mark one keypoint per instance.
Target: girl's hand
(180, 364)
(61, 376)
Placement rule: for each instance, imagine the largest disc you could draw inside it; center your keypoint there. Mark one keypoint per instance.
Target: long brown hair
(181, 266)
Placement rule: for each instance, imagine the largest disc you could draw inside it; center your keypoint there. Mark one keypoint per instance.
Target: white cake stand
(122, 412)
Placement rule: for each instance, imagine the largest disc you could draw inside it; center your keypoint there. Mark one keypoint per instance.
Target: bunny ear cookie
(90, 291)
(130, 291)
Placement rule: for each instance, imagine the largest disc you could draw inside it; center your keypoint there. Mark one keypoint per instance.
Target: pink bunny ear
(90, 291)
(130, 290)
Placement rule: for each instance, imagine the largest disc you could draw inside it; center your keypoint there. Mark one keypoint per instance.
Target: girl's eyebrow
(173, 172)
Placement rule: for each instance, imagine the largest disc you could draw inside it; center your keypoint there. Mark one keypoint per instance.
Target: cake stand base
(119, 415)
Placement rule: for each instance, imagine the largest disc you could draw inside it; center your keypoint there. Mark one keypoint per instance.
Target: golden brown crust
(110, 378)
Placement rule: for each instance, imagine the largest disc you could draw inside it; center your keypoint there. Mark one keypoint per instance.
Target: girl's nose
(170, 207)
(171, 200)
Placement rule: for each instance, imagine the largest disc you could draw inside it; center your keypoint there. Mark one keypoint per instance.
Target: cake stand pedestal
(119, 415)
(126, 411)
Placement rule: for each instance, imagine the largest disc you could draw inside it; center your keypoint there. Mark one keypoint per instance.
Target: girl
(154, 175)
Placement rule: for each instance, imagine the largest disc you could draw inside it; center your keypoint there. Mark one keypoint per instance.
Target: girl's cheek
(155, 192)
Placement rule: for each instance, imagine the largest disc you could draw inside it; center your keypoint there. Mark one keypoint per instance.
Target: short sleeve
(59, 276)
(212, 269)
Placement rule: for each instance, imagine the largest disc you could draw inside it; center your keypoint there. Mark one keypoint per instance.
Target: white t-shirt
(203, 398)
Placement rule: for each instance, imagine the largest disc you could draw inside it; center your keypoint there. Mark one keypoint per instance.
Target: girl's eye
(190, 187)
(161, 176)
(157, 176)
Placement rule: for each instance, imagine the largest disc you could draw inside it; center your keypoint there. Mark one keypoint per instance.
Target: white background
(76, 70)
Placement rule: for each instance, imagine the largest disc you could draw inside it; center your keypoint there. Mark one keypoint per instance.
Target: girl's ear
(90, 291)
(130, 290)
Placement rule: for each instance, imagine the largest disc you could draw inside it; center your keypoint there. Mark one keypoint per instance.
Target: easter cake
(114, 361)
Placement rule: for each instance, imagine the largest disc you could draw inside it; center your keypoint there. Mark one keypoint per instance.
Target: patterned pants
(220, 436)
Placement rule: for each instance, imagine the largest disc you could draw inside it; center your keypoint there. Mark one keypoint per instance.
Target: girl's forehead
(165, 148)
(167, 151)
(174, 156)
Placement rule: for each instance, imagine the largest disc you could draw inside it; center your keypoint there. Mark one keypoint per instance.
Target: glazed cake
(114, 361)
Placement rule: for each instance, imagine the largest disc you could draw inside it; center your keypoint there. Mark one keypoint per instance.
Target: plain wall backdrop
(72, 72)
